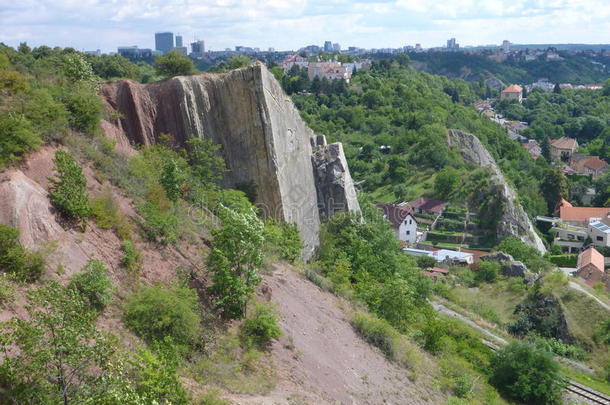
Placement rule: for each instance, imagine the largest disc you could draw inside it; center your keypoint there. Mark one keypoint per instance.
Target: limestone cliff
(262, 136)
(514, 221)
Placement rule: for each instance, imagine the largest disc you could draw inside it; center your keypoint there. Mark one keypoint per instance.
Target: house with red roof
(514, 92)
(590, 266)
(423, 205)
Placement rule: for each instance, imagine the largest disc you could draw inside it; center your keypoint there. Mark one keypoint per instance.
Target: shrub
(525, 373)
(131, 256)
(68, 189)
(213, 398)
(235, 259)
(562, 260)
(7, 290)
(173, 64)
(426, 262)
(15, 259)
(487, 271)
(93, 284)
(261, 326)
(17, 137)
(284, 238)
(105, 210)
(154, 313)
(159, 224)
(85, 108)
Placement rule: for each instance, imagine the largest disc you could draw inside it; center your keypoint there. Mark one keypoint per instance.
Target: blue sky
(291, 24)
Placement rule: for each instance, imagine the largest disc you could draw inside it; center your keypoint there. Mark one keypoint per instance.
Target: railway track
(590, 395)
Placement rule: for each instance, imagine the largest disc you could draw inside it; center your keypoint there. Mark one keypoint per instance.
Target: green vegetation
(155, 313)
(525, 373)
(131, 256)
(261, 326)
(68, 190)
(15, 260)
(174, 63)
(93, 284)
(235, 259)
(107, 214)
(283, 239)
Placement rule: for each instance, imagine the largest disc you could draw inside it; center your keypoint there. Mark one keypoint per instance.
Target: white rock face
(515, 221)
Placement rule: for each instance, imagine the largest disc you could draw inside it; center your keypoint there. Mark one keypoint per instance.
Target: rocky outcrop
(514, 221)
(263, 139)
(511, 267)
(334, 183)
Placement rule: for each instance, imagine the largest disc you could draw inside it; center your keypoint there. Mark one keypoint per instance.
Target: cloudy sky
(291, 24)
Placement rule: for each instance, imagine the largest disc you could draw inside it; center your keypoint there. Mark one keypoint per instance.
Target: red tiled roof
(395, 213)
(426, 204)
(564, 143)
(438, 270)
(581, 214)
(430, 274)
(515, 88)
(595, 163)
(593, 257)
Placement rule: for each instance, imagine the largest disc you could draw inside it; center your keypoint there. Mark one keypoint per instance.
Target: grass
(231, 367)
(595, 383)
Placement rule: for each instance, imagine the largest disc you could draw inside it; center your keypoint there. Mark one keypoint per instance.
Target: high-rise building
(328, 46)
(336, 47)
(198, 48)
(506, 46)
(178, 41)
(164, 41)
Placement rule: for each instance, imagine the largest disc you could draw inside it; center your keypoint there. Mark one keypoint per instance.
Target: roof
(515, 88)
(395, 213)
(438, 270)
(581, 214)
(591, 256)
(475, 253)
(426, 204)
(595, 163)
(446, 253)
(430, 274)
(601, 226)
(564, 143)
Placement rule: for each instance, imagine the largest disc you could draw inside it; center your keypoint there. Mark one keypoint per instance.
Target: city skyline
(285, 25)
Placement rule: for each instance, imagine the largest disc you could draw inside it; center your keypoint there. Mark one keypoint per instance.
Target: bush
(7, 290)
(85, 109)
(159, 224)
(525, 373)
(173, 64)
(17, 137)
(261, 326)
(68, 189)
(487, 271)
(93, 284)
(15, 259)
(107, 215)
(426, 262)
(284, 238)
(131, 256)
(154, 313)
(563, 260)
(213, 398)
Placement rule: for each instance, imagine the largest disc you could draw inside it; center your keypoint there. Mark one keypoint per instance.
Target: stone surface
(263, 139)
(514, 220)
(334, 183)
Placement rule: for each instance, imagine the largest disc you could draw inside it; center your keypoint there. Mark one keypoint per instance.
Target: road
(575, 286)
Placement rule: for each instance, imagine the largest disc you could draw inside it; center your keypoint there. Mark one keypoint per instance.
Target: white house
(402, 219)
(599, 231)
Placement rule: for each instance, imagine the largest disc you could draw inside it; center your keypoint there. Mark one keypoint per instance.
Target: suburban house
(435, 273)
(589, 165)
(563, 148)
(402, 218)
(581, 216)
(590, 266)
(533, 147)
(514, 92)
(599, 231)
(329, 70)
(423, 205)
(293, 60)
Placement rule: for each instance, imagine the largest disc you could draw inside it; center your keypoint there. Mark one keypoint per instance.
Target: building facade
(164, 41)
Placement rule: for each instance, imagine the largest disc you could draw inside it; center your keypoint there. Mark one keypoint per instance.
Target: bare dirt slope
(320, 359)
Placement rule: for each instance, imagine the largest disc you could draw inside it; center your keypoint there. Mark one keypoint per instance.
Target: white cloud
(286, 24)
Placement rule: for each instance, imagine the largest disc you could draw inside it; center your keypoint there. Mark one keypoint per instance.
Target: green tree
(15, 259)
(93, 284)
(446, 182)
(235, 259)
(76, 67)
(68, 190)
(206, 165)
(554, 187)
(172, 179)
(60, 351)
(174, 63)
(525, 373)
(17, 137)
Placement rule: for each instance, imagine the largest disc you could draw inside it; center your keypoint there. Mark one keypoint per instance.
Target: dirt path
(580, 288)
(321, 360)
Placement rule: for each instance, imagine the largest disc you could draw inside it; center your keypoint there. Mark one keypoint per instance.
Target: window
(408, 232)
(600, 238)
(410, 222)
